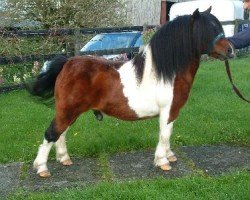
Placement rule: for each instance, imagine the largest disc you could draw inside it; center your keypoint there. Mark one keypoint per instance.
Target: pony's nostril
(229, 50)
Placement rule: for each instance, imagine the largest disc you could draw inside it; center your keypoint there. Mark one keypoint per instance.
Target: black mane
(179, 41)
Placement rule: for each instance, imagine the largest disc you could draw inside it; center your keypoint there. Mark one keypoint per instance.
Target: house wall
(143, 12)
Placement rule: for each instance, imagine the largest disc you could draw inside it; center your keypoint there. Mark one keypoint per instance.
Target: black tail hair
(45, 82)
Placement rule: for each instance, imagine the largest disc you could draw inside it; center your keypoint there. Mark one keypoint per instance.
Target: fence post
(236, 26)
(77, 39)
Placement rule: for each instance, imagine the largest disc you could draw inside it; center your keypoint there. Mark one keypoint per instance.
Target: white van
(224, 10)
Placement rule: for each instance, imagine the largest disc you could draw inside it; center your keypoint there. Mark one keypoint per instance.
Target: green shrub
(13, 73)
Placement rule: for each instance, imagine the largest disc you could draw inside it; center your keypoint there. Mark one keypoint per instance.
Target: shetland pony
(156, 82)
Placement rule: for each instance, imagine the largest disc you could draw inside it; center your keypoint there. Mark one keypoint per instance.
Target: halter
(215, 40)
(218, 37)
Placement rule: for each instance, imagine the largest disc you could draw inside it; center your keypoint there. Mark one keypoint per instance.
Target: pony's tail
(45, 83)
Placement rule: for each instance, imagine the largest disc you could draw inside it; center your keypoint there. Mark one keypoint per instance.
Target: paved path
(210, 160)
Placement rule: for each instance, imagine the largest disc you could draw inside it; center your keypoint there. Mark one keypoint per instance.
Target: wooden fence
(63, 32)
(16, 59)
(236, 23)
(76, 33)
(66, 32)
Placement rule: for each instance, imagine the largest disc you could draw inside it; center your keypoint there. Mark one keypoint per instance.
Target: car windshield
(110, 41)
(139, 42)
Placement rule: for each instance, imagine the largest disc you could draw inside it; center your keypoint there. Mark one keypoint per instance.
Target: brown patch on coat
(85, 83)
(182, 86)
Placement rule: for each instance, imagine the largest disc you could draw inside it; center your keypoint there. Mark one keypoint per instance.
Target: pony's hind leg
(40, 163)
(61, 150)
(52, 135)
(56, 134)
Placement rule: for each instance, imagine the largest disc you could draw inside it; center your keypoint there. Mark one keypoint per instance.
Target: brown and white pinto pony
(156, 82)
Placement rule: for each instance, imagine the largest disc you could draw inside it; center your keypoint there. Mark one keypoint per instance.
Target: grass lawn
(233, 186)
(212, 115)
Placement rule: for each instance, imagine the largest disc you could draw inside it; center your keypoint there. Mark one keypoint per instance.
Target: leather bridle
(236, 90)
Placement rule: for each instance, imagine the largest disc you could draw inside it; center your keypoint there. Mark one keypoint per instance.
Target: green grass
(213, 115)
(233, 186)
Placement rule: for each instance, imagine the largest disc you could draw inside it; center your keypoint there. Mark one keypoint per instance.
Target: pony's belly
(148, 100)
(143, 107)
(131, 107)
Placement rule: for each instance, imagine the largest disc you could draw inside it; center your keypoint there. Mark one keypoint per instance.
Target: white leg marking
(163, 148)
(40, 162)
(61, 148)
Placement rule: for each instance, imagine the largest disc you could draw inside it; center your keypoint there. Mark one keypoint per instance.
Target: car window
(110, 41)
(94, 44)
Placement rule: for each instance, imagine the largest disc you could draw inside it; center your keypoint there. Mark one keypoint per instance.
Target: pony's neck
(144, 64)
(182, 85)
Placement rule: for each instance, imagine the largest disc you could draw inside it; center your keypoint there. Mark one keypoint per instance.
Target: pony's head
(185, 39)
(209, 36)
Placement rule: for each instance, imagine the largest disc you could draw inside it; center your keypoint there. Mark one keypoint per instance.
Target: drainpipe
(163, 18)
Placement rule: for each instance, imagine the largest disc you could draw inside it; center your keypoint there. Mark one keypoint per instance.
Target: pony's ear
(208, 10)
(196, 14)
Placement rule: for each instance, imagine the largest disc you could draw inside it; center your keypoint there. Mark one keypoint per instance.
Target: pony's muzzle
(223, 50)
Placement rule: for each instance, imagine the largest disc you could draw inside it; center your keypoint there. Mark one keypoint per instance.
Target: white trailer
(224, 10)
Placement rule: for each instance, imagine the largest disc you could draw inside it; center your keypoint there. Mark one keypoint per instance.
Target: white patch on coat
(150, 96)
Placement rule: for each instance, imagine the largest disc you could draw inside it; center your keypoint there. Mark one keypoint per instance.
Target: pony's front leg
(163, 153)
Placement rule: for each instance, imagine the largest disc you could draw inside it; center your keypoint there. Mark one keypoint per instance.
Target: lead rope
(236, 90)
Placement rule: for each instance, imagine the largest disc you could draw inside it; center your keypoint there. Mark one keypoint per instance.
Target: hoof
(165, 167)
(67, 162)
(45, 174)
(172, 158)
